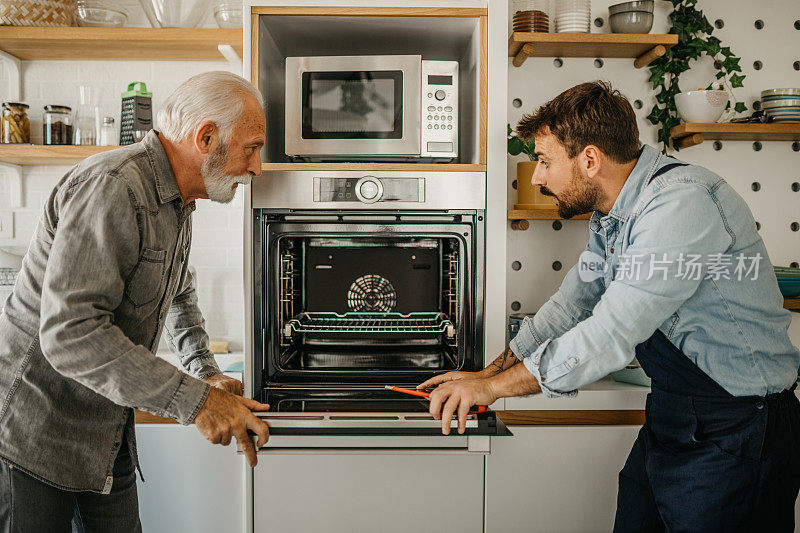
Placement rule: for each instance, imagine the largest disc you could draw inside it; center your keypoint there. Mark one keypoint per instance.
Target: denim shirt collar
(166, 184)
(638, 179)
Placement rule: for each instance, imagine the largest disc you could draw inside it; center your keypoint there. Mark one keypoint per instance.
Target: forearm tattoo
(504, 362)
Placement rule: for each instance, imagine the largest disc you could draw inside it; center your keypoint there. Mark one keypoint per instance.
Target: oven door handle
(475, 445)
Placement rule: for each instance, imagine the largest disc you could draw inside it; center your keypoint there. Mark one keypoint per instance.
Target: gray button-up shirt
(105, 272)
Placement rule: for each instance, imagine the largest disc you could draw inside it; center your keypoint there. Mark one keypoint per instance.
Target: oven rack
(329, 322)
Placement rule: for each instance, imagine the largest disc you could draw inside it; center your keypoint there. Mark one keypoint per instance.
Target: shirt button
(612, 250)
(759, 405)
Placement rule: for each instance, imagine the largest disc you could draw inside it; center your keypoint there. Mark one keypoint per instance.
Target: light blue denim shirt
(682, 254)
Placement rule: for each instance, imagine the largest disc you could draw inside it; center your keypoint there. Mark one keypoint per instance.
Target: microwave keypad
(440, 109)
(388, 189)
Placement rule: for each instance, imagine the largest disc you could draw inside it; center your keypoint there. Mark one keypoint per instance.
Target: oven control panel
(369, 189)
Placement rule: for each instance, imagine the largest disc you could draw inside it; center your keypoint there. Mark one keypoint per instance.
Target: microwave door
(353, 106)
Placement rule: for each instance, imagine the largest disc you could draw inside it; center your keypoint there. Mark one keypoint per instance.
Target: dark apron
(706, 460)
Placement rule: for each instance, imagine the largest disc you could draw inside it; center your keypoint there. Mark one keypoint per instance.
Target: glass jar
(86, 125)
(57, 124)
(532, 15)
(16, 127)
(108, 133)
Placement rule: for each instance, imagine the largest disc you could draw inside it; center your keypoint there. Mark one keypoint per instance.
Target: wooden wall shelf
(544, 213)
(367, 167)
(694, 133)
(643, 47)
(121, 44)
(571, 417)
(792, 304)
(34, 154)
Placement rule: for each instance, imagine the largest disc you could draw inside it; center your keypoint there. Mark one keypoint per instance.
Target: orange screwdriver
(421, 394)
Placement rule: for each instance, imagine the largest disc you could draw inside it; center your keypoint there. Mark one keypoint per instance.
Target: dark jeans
(29, 505)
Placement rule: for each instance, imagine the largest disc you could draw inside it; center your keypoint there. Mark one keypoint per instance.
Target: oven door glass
(352, 105)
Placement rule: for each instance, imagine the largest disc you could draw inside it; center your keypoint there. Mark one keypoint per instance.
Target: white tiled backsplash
(217, 234)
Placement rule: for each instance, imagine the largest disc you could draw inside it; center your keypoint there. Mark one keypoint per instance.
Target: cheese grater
(137, 112)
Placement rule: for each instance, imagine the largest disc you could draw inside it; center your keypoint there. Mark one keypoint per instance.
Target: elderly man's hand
(459, 395)
(220, 381)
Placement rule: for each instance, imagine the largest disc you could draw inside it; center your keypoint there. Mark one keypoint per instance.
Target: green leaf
(515, 146)
(731, 64)
(740, 107)
(736, 81)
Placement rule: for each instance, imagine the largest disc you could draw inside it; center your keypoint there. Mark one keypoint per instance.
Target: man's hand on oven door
(221, 381)
(459, 396)
(450, 376)
(225, 416)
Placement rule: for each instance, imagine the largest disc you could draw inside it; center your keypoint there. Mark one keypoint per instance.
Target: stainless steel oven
(361, 282)
(382, 107)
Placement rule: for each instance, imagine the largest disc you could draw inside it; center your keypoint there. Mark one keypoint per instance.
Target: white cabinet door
(190, 484)
(555, 479)
(368, 493)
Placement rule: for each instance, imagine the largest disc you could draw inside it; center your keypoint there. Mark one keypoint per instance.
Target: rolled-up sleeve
(96, 243)
(186, 333)
(682, 221)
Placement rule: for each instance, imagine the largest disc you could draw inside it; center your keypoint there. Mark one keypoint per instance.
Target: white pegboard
(775, 166)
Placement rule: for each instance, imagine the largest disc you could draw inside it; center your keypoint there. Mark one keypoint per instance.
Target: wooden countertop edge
(518, 417)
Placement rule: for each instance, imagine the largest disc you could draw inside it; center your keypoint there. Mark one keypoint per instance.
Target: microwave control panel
(439, 109)
(369, 189)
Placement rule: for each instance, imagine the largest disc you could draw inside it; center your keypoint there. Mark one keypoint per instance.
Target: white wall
(217, 233)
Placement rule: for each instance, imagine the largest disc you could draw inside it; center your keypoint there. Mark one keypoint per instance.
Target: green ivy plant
(517, 146)
(694, 41)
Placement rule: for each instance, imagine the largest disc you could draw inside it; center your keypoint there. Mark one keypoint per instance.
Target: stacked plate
(531, 21)
(573, 21)
(782, 105)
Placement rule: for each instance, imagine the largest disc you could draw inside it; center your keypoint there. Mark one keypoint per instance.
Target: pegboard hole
(796, 146)
(558, 62)
(557, 225)
(794, 264)
(516, 265)
(717, 64)
(717, 145)
(757, 146)
(598, 63)
(795, 226)
(796, 186)
(557, 265)
(516, 102)
(759, 24)
(796, 65)
(598, 22)
(719, 24)
(758, 65)
(638, 104)
(758, 226)
(797, 24)
(756, 186)
(515, 306)
(514, 185)
(757, 105)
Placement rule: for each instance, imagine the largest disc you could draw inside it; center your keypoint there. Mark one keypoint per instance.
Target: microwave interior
(364, 307)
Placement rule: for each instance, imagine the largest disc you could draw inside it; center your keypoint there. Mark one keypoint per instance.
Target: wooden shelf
(792, 304)
(694, 133)
(121, 44)
(643, 47)
(404, 167)
(33, 154)
(544, 213)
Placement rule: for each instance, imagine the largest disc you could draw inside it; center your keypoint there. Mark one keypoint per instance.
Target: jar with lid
(108, 133)
(57, 124)
(16, 127)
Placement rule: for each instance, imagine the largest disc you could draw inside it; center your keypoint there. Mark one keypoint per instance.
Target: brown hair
(589, 113)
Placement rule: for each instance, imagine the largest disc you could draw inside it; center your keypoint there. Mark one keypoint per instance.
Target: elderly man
(106, 271)
(720, 448)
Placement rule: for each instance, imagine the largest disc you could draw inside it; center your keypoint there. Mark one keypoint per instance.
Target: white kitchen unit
(368, 491)
(190, 484)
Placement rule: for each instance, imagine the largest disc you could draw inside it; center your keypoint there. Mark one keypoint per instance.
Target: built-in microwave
(371, 108)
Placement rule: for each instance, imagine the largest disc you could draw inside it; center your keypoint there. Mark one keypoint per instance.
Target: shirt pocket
(145, 281)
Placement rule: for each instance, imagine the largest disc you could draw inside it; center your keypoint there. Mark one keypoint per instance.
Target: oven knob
(440, 94)
(369, 189)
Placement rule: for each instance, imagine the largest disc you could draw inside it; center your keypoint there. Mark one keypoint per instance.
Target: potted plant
(528, 195)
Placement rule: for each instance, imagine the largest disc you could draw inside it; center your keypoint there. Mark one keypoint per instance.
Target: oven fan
(371, 294)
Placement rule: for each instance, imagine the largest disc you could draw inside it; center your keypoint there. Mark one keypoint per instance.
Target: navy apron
(706, 460)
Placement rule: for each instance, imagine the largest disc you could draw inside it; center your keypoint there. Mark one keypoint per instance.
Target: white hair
(217, 96)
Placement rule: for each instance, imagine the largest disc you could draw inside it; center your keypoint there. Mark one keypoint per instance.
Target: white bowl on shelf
(175, 13)
(701, 106)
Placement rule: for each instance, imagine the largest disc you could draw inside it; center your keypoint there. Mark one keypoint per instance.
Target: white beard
(219, 185)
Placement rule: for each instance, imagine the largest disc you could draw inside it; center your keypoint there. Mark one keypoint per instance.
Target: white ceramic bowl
(701, 106)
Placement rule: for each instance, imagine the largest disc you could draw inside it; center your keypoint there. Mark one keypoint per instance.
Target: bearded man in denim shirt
(687, 288)
(106, 272)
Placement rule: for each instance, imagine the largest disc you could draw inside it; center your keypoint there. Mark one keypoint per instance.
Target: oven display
(369, 189)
